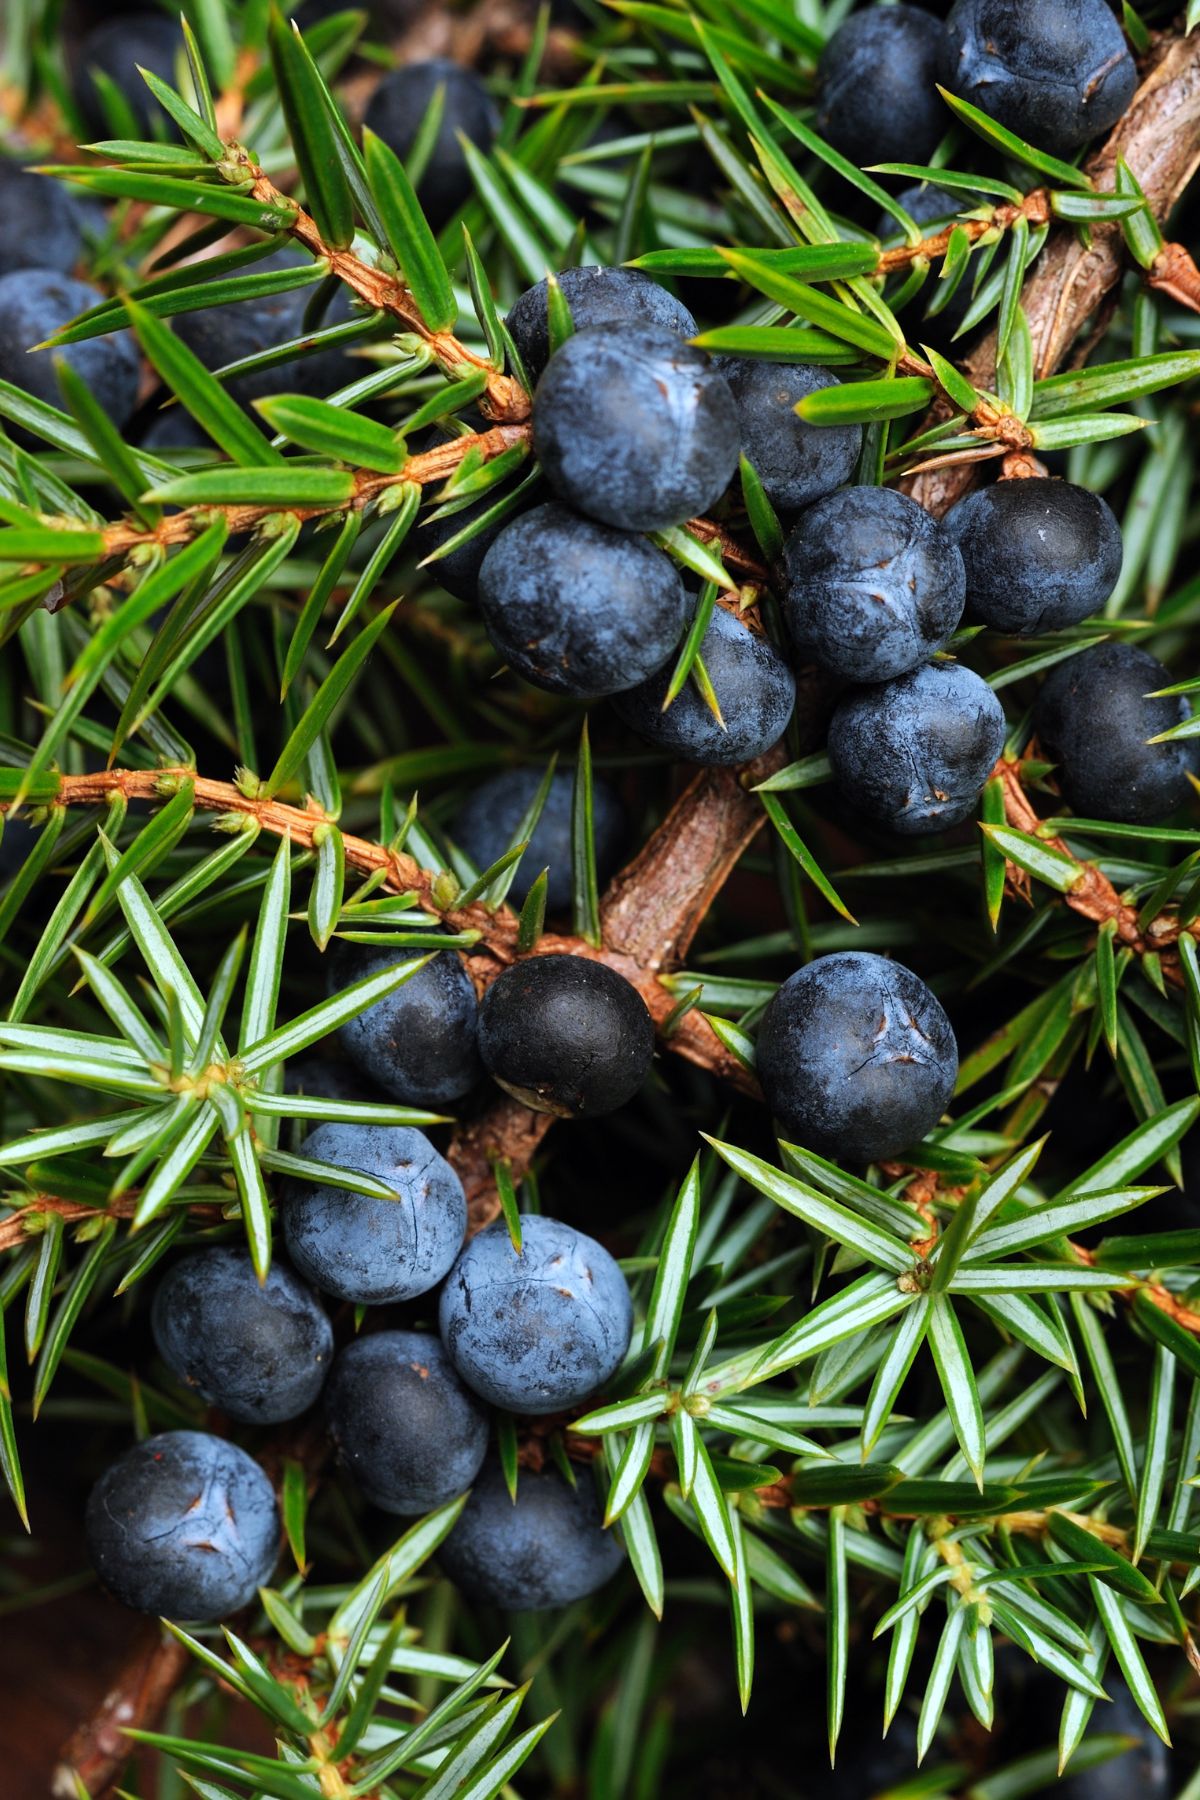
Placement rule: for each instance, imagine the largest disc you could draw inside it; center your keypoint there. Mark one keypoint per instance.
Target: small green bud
(446, 889)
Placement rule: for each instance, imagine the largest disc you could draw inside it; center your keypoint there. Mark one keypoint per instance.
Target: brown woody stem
(1159, 138)
(651, 912)
(1175, 274)
(14, 1229)
(1035, 207)
(1093, 896)
(97, 1751)
(430, 466)
(503, 399)
(402, 873)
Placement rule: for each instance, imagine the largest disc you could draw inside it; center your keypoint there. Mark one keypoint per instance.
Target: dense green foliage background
(932, 1465)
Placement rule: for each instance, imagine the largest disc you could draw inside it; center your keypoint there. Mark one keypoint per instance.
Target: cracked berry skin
(595, 295)
(545, 1550)
(755, 689)
(402, 1422)
(877, 98)
(1092, 719)
(417, 1044)
(1056, 72)
(566, 1036)
(486, 824)
(1039, 555)
(183, 1526)
(634, 427)
(399, 105)
(578, 608)
(914, 754)
(225, 334)
(539, 1329)
(856, 1057)
(367, 1250)
(875, 586)
(40, 225)
(797, 463)
(117, 48)
(35, 303)
(259, 1352)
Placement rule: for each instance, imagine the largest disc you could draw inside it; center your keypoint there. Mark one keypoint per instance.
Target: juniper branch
(1035, 207)
(503, 399)
(1159, 139)
(673, 881)
(17, 1226)
(430, 466)
(1093, 895)
(297, 823)
(126, 536)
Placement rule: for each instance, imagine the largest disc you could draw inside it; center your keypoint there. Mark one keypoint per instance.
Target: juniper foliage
(927, 1436)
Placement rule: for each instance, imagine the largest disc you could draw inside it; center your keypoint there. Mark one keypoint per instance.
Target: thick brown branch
(94, 1755)
(654, 906)
(1159, 138)
(505, 1132)
(650, 914)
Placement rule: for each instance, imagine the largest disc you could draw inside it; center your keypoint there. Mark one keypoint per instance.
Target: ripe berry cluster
(535, 1331)
(1056, 72)
(637, 431)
